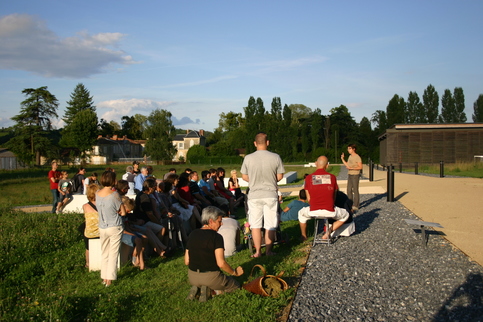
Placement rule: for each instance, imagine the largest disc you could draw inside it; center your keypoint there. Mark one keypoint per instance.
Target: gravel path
(383, 273)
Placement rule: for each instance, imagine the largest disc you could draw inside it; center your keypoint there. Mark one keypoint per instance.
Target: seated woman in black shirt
(205, 257)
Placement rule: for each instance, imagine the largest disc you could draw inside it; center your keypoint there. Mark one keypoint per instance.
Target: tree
(316, 129)
(344, 123)
(448, 111)
(430, 104)
(229, 121)
(195, 153)
(414, 112)
(299, 112)
(80, 100)
(159, 135)
(478, 109)
(395, 110)
(33, 123)
(109, 128)
(380, 121)
(131, 128)
(142, 120)
(459, 101)
(81, 133)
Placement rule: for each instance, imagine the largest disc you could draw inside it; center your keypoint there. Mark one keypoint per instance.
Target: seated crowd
(157, 216)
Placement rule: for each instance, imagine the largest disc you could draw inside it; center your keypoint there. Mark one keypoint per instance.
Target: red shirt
(321, 186)
(185, 193)
(54, 174)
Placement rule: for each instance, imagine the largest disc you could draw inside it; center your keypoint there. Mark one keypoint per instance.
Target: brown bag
(266, 285)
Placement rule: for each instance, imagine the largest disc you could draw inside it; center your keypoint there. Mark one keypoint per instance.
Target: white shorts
(340, 214)
(263, 213)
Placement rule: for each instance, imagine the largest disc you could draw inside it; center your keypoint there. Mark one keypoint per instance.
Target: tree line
(296, 132)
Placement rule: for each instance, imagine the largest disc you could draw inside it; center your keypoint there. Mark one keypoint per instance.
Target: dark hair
(167, 186)
(108, 179)
(171, 178)
(353, 147)
(149, 183)
(183, 181)
(220, 170)
(188, 170)
(204, 173)
(172, 169)
(121, 186)
(302, 194)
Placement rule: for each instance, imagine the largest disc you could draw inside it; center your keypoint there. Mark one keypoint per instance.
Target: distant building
(183, 142)
(8, 160)
(431, 143)
(114, 148)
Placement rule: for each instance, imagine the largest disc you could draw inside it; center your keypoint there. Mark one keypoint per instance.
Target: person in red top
(54, 177)
(321, 189)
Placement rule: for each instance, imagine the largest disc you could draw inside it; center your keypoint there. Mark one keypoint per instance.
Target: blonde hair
(128, 203)
(91, 191)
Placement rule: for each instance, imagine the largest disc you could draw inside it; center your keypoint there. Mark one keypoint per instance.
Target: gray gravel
(384, 273)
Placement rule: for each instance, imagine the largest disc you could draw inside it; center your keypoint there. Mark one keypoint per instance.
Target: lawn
(43, 278)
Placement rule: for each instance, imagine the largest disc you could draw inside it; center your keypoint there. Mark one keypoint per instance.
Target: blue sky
(198, 59)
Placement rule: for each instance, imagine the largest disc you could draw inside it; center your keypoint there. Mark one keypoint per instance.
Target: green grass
(43, 278)
(461, 169)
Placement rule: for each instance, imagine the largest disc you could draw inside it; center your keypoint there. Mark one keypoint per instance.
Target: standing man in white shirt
(262, 170)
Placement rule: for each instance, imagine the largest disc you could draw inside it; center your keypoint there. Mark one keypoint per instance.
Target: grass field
(43, 278)
(461, 169)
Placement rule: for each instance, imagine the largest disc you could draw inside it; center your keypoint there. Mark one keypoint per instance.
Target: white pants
(110, 246)
(339, 214)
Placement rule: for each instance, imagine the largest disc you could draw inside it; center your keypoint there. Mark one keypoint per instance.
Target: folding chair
(318, 235)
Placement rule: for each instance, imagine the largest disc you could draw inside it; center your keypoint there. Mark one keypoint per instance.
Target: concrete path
(455, 203)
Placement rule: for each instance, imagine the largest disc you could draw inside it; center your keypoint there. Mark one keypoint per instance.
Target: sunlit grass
(43, 278)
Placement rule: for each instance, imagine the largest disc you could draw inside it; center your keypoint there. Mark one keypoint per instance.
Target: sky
(198, 59)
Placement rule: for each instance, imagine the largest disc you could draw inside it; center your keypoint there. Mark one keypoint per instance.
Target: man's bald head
(322, 162)
(261, 141)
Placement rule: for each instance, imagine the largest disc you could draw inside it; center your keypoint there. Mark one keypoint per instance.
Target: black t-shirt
(201, 245)
(142, 206)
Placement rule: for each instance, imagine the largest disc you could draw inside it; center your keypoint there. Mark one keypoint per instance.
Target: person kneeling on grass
(205, 257)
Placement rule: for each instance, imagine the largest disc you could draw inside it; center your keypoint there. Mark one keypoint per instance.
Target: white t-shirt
(228, 230)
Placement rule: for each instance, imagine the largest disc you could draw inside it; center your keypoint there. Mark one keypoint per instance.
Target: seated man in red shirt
(321, 189)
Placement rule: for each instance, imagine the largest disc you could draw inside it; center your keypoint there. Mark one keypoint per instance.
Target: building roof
(190, 134)
(431, 127)
(6, 153)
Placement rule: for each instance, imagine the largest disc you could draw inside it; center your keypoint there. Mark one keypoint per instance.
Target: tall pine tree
(80, 100)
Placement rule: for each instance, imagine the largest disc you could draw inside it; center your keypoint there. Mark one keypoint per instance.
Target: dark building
(431, 143)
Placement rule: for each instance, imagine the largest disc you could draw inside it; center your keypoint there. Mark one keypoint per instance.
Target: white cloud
(116, 109)
(121, 107)
(27, 44)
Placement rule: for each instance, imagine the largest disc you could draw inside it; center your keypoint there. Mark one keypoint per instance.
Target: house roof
(6, 153)
(191, 134)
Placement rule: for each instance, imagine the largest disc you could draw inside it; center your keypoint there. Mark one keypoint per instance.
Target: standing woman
(110, 208)
(354, 165)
